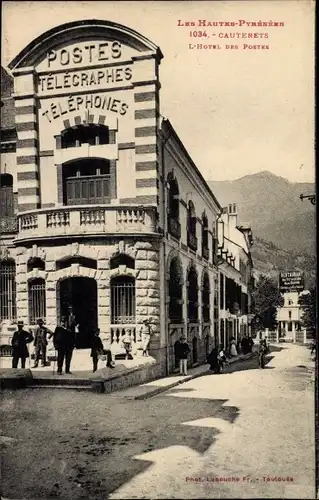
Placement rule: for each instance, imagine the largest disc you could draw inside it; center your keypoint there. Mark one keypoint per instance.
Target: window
(191, 226)
(122, 300)
(85, 134)
(174, 226)
(289, 314)
(8, 290)
(86, 182)
(6, 196)
(192, 295)
(206, 298)
(221, 291)
(290, 302)
(175, 291)
(37, 306)
(205, 249)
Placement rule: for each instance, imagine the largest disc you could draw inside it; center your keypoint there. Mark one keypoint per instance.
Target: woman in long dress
(233, 350)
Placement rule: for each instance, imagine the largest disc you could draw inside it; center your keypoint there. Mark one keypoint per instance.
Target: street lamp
(311, 197)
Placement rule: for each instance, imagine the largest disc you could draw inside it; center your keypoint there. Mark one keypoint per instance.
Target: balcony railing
(82, 220)
(174, 227)
(192, 241)
(8, 224)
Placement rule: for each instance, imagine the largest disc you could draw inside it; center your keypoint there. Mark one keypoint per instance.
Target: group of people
(64, 338)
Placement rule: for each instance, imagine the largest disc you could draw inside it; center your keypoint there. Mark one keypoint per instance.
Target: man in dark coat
(40, 343)
(213, 360)
(19, 343)
(183, 350)
(245, 344)
(64, 342)
(97, 349)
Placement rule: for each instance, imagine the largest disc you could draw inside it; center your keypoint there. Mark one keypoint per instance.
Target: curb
(165, 388)
(159, 390)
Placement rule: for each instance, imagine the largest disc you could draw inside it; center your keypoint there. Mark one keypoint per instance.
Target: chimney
(232, 213)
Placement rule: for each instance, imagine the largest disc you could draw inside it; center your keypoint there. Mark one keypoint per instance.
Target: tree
(266, 298)
(307, 302)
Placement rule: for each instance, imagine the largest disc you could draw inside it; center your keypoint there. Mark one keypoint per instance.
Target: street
(245, 434)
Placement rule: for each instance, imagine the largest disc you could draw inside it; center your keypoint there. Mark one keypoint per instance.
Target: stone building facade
(102, 209)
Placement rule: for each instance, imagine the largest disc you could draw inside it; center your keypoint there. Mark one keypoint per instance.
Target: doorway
(80, 294)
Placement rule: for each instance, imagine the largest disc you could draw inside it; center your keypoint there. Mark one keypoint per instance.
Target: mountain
(271, 206)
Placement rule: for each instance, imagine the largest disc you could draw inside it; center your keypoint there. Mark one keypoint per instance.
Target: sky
(238, 111)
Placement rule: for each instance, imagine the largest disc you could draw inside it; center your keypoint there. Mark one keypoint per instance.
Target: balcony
(8, 224)
(205, 252)
(74, 221)
(192, 241)
(174, 227)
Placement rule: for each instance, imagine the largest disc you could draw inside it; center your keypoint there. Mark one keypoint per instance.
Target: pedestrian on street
(98, 352)
(261, 353)
(146, 332)
(40, 343)
(127, 344)
(184, 351)
(233, 350)
(238, 346)
(64, 343)
(222, 358)
(245, 344)
(213, 360)
(19, 343)
(250, 344)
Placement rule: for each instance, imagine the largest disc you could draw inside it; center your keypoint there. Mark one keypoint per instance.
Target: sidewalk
(150, 389)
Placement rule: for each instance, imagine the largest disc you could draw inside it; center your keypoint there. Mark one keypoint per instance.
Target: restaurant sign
(291, 281)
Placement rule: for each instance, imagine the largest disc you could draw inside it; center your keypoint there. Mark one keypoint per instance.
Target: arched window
(6, 196)
(35, 263)
(174, 226)
(122, 300)
(85, 134)
(192, 295)
(82, 261)
(191, 226)
(175, 291)
(122, 259)
(86, 181)
(206, 298)
(205, 249)
(36, 296)
(8, 308)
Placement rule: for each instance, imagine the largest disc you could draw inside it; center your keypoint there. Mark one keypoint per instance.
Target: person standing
(262, 353)
(233, 350)
(127, 344)
(213, 360)
(245, 344)
(184, 351)
(146, 332)
(64, 342)
(98, 350)
(40, 343)
(250, 344)
(19, 343)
